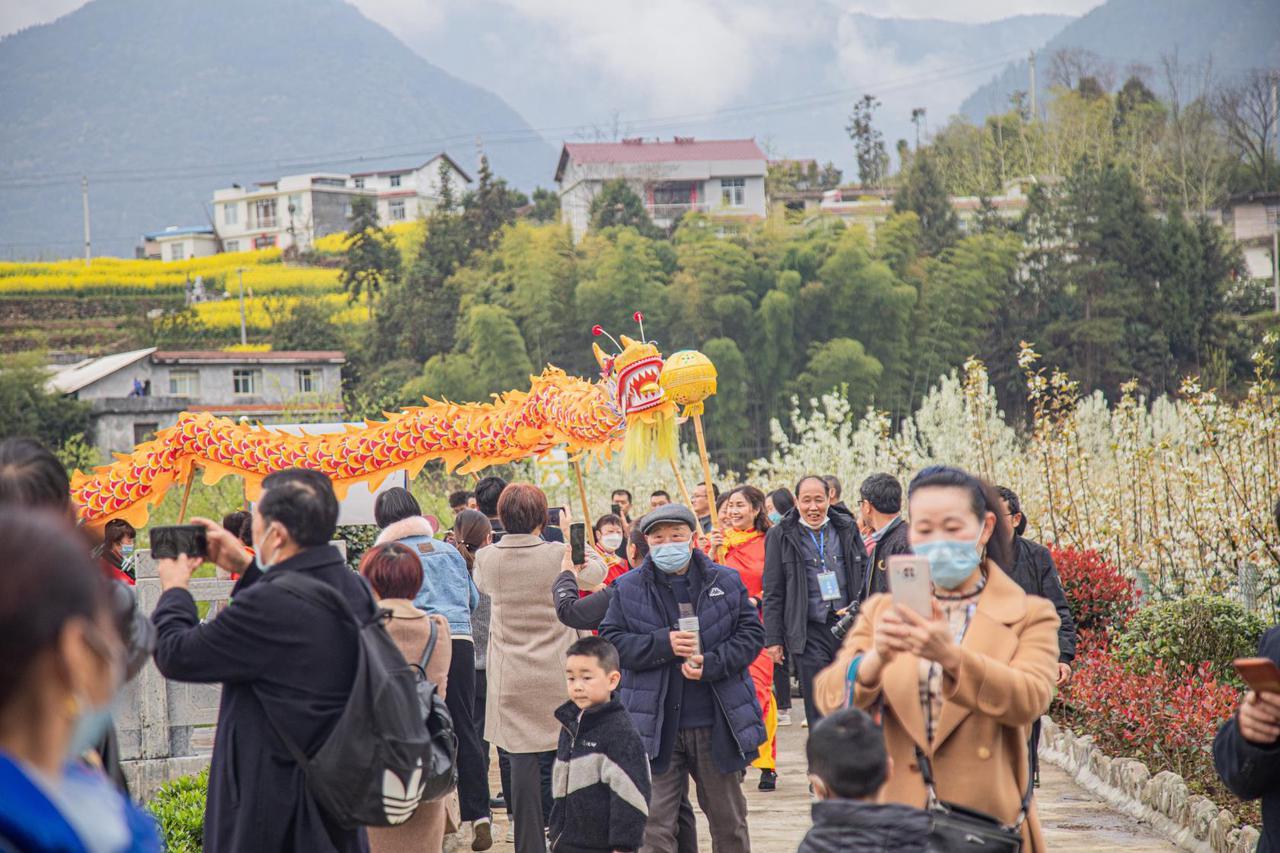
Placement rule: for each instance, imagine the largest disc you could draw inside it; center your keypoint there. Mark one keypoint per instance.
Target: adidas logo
(400, 799)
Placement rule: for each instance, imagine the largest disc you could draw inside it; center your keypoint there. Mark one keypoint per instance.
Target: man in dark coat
(1246, 752)
(881, 501)
(273, 652)
(688, 692)
(814, 571)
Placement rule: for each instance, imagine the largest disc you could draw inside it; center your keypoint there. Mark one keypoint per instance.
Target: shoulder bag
(954, 828)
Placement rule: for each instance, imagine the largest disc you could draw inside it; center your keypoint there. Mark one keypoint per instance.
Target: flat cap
(669, 514)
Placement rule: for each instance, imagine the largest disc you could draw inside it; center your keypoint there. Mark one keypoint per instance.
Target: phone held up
(616, 509)
(1261, 674)
(911, 583)
(578, 543)
(189, 539)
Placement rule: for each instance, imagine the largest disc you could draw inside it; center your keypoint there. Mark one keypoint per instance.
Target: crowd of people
(669, 652)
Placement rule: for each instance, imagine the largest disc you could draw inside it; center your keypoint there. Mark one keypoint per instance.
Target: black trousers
(530, 783)
(473, 770)
(782, 684)
(819, 651)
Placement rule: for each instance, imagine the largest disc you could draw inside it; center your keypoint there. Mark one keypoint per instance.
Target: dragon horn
(600, 356)
(626, 342)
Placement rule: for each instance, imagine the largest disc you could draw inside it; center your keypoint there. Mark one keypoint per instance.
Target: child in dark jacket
(601, 776)
(848, 767)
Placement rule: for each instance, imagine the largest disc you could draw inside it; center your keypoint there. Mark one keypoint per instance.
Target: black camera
(842, 627)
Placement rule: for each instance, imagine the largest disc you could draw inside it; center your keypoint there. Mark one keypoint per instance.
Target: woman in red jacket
(739, 544)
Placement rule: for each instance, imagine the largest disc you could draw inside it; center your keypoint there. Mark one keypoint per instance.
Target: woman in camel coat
(966, 686)
(395, 573)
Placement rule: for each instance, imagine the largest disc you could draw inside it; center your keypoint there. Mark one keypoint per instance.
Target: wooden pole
(706, 470)
(186, 495)
(582, 493)
(684, 490)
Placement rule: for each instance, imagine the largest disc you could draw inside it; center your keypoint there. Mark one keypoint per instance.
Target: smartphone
(189, 539)
(616, 509)
(910, 583)
(1261, 674)
(578, 542)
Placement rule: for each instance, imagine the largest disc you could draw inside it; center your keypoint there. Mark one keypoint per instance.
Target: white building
(1253, 220)
(179, 244)
(414, 191)
(720, 176)
(291, 211)
(134, 394)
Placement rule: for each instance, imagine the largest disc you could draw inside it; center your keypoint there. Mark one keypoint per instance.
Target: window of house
(733, 192)
(144, 432)
(395, 180)
(675, 193)
(266, 241)
(264, 213)
(396, 209)
(184, 383)
(230, 245)
(310, 380)
(230, 214)
(359, 183)
(245, 381)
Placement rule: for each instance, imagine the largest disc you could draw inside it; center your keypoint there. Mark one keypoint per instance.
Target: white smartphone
(911, 584)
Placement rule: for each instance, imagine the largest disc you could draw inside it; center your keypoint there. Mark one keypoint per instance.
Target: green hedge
(179, 809)
(1190, 631)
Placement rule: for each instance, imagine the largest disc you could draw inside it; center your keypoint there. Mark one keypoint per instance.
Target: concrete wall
(114, 419)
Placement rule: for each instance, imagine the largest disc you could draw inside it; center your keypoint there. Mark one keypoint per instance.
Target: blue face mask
(126, 551)
(775, 517)
(257, 557)
(951, 561)
(87, 734)
(671, 557)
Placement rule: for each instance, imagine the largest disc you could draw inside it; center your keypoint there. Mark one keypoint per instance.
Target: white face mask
(611, 541)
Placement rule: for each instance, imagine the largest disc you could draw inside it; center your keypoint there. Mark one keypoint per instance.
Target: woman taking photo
(395, 574)
(739, 544)
(528, 649)
(967, 684)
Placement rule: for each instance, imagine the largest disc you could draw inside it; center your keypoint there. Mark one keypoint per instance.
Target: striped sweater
(600, 781)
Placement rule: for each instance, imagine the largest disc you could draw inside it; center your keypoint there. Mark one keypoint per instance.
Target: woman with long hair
(739, 544)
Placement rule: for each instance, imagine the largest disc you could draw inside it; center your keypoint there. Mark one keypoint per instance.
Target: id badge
(828, 586)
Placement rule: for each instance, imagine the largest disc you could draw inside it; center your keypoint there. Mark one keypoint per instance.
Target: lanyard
(820, 542)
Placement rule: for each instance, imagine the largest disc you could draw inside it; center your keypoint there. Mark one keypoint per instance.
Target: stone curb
(1161, 801)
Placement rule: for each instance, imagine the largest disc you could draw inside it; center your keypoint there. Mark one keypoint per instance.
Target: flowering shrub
(1102, 598)
(1166, 717)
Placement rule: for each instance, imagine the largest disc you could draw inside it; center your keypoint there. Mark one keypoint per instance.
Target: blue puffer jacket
(639, 624)
(447, 587)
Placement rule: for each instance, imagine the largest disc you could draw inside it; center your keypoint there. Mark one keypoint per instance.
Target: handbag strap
(431, 646)
(926, 772)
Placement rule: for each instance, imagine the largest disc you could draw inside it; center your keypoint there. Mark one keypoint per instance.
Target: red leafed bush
(1166, 718)
(1102, 599)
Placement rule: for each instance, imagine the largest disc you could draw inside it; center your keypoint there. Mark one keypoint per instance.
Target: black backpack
(393, 747)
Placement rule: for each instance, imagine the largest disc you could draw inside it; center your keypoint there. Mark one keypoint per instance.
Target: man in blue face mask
(686, 633)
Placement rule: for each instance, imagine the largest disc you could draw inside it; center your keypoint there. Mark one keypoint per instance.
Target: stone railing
(164, 726)
(1192, 822)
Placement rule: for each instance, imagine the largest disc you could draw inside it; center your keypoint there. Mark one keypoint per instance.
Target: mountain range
(1222, 37)
(159, 102)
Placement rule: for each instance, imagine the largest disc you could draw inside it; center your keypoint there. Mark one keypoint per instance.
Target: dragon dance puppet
(627, 409)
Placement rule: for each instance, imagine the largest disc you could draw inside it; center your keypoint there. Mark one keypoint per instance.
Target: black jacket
(894, 541)
(1034, 571)
(301, 659)
(786, 582)
(1253, 771)
(600, 781)
(584, 613)
(851, 826)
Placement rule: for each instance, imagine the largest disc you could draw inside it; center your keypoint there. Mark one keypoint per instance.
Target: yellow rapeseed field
(225, 314)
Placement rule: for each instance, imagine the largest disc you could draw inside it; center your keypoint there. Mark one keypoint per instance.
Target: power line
(513, 136)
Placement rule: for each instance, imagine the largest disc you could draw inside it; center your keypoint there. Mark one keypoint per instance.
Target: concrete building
(857, 206)
(135, 394)
(720, 177)
(1253, 220)
(179, 244)
(288, 212)
(414, 191)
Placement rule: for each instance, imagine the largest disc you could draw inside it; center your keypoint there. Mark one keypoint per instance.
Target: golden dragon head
(634, 375)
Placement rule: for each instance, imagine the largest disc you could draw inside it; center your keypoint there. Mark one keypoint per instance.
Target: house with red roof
(723, 177)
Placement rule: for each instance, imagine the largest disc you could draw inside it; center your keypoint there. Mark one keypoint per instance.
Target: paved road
(1074, 821)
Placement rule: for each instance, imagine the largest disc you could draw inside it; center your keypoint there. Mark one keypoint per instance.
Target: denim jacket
(447, 588)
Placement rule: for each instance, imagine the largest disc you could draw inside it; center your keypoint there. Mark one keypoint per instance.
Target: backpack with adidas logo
(393, 746)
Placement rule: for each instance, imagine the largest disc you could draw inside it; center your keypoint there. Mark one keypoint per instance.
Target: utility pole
(1031, 91)
(244, 336)
(88, 250)
(1275, 117)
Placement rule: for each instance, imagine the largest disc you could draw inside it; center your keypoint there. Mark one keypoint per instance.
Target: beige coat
(527, 643)
(424, 832)
(1006, 681)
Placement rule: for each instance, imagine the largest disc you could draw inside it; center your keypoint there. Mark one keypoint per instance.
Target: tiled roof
(73, 377)
(249, 357)
(640, 151)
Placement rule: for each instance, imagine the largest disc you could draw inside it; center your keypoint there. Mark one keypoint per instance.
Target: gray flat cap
(667, 514)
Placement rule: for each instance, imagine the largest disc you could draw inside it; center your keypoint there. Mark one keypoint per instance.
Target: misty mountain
(800, 74)
(160, 102)
(1225, 36)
